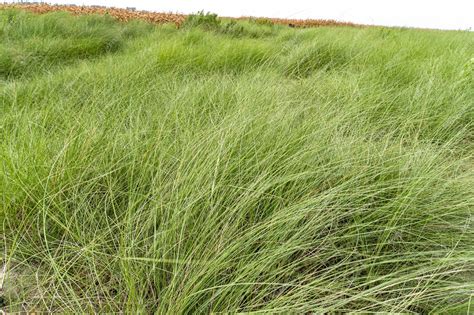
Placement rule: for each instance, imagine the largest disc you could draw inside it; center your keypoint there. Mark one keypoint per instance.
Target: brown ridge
(120, 14)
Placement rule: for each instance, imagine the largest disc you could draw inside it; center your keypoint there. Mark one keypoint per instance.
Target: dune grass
(266, 169)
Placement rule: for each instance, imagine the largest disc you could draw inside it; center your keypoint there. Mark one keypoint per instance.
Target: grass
(36, 43)
(266, 170)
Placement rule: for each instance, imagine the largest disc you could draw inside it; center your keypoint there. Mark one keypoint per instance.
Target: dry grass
(123, 15)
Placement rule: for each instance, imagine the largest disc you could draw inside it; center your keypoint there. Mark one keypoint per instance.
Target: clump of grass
(262, 21)
(201, 172)
(207, 21)
(305, 61)
(233, 28)
(237, 29)
(32, 43)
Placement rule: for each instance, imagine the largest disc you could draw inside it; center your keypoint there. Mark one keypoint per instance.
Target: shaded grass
(325, 170)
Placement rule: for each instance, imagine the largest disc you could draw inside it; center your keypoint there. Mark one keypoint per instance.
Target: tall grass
(193, 171)
(32, 43)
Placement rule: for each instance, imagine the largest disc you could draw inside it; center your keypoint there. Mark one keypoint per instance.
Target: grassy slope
(189, 171)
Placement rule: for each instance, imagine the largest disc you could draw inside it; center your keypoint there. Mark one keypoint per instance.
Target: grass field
(234, 167)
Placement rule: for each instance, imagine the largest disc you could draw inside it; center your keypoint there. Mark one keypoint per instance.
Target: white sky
(443, 14)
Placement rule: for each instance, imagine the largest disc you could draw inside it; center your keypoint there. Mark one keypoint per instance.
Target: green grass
(191, 170)
(33, 44)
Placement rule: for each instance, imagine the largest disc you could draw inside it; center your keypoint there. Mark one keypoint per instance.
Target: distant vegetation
(228, 166)
(160, 18)
(124, 15)
(210, 22)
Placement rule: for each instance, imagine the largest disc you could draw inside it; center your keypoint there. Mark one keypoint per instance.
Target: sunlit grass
(197, 171)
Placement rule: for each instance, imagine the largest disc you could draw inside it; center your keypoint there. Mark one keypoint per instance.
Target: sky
(441, 14)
